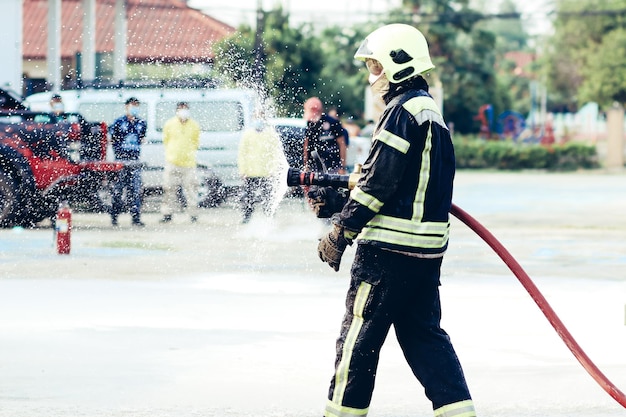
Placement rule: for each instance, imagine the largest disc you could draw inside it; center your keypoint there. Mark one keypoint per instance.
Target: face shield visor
(375, 69)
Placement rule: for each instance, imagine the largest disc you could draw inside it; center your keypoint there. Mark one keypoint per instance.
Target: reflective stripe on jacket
(402, 200)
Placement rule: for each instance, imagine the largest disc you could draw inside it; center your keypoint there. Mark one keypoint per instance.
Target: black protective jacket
(402, 200)
(322, 137)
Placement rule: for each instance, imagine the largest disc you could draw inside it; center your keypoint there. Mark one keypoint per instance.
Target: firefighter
(398, 215)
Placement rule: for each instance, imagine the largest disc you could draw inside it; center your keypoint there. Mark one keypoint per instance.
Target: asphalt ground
(219, 318)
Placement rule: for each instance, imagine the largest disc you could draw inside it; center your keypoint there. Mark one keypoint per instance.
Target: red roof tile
(158, 30)
(523, 61)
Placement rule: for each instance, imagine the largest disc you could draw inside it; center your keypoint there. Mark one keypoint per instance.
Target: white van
(223, 115)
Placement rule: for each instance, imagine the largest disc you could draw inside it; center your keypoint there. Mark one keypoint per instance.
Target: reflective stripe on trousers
(458, 409)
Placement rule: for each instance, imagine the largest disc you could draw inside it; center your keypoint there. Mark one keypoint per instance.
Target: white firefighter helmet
(400, 49)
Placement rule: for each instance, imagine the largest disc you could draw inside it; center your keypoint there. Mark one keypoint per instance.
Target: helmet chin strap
(373, 78)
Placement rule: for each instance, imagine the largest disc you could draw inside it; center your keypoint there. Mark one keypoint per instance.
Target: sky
(235, 12)
(348, 12)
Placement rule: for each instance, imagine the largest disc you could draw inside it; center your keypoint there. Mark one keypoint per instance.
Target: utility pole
(88, 55)
(119, 55)
(615, 139)
(54, 44)
(259, 52)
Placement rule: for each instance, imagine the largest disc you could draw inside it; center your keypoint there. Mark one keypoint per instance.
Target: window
(108, 112)
(213, 116)
(42, 118)
(10, 119)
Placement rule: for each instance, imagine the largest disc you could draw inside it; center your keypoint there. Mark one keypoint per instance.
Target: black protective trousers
(386, 289)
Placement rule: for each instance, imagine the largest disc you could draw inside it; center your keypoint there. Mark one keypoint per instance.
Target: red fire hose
(295, 177)
(541, 302)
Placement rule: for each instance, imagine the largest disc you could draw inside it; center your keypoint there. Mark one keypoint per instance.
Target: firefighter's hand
(332, 246)
(326, 201)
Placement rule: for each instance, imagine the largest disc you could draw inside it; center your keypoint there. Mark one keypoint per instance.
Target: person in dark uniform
(324, 142)
(127, 135)
(398, 213)
(56, 104)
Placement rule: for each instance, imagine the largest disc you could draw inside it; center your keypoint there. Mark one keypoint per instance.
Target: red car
(45, 159)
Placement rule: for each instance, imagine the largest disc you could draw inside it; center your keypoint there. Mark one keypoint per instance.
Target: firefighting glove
(326, 201)
(332, 246)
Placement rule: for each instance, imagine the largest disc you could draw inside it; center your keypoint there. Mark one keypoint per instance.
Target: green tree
(604, 75)
(343, 79)
(508, 27)
(300, 62)
(470, 81)
(585, 59)
(293, 61)
(464, 56)
(511, 37)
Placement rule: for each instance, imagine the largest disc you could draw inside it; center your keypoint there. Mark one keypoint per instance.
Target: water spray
(297, 177)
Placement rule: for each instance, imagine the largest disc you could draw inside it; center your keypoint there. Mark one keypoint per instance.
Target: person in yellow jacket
(181, 138)
(259, 161)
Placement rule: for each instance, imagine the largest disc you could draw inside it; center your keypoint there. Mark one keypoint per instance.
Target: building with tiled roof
(523, 62)
(158, 31)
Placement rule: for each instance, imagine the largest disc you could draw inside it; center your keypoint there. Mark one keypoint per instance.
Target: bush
(477, 153)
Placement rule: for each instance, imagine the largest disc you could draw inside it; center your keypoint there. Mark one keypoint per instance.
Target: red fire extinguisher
(63, 228)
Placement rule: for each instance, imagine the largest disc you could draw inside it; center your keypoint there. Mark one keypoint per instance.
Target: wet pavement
(223, 319)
